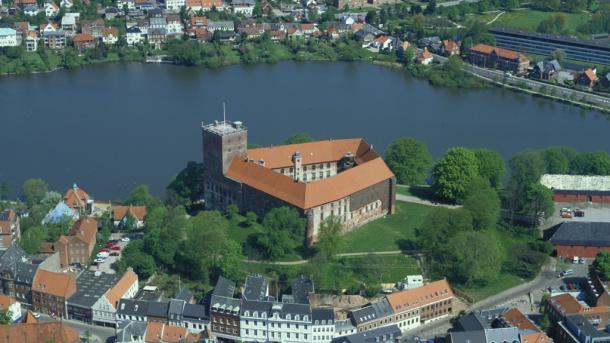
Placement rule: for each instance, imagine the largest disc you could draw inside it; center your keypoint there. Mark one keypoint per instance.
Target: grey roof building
(132, 310)
(90, 287)
(129, 332)
(374, 311)
(174, 311)
(575, 328)
(508, 334)
(185, 294)
(8, 268)
(256, 288)
(386, 334)
(158, 310)
(591, 234)
(323, 315)
(302, 287)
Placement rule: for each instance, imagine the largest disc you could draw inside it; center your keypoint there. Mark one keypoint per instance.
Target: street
(526, 296)
(99, 334)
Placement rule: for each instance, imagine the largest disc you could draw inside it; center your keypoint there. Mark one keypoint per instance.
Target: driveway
(107, 266)
(594, 212)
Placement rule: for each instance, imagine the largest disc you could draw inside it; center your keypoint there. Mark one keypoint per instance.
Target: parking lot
(594, 212)
(108, 265)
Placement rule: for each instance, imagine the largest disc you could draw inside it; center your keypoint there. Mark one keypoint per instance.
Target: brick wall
(584, 197)
(569, 251)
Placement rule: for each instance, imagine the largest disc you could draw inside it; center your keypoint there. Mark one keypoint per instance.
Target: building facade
(78, 245)
(544, 44)
(344, 178)
(488, 56)
(10, 228)
(578, 188)
(580, 239)
(50, 292)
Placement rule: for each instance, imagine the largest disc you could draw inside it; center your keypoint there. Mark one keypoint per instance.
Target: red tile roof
(38, 332)
(590, 74)
(81, 38)
(119, 212)
(370, 170)
(6, 301)
(115, 293)
(5, 225)
(503, 53)
(566, 304)
(110, 31)
(421, 296)
(76, 197)
(85, 229)
(164, 333)
(57, 284)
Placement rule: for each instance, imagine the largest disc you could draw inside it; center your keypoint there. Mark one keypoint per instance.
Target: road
(558, 92)
(416, 200)
(99, 334)
(547, 278)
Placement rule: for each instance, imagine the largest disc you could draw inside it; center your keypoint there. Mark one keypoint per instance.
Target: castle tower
(222, 141)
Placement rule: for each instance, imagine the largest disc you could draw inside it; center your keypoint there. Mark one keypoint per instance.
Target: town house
(84, 41)
(488, 56)
(78, 245)
(110, 35)
(10, 228)
(50, 292)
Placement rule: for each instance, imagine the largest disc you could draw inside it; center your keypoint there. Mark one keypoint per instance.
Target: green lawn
(384, 268)
(530, 19)
(390, 233)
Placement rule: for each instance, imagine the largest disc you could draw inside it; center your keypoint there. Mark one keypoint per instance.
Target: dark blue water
(112, 127)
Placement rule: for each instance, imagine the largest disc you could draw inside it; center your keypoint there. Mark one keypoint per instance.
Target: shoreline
(386, 64)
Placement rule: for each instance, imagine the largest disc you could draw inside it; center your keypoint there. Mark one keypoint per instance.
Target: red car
(116, 248)
(109, 245)
(105, 250)
(566, 215)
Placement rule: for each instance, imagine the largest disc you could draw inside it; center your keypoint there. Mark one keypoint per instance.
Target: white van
(568, 272)
(575, 260)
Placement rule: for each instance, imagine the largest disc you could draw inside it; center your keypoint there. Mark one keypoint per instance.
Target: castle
(345, 177)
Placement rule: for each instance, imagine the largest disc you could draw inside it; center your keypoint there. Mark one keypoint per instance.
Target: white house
(174, 5)
(48, 27)
(31, 41)
(51, 9)
(244, 7)
(13, 306)
(110, 35)
(104, 309)
(66, 4)
(323, 326)
(31, 10)
(131, 4)
(69, 23)
(174, 25)
(8, 37)
(134, 36)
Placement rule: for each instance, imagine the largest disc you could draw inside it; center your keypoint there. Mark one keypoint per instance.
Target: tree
(440, 225)
(297, 138)
(510, 4)
(591, 163)
(139, 196)
(477, 259)
(559, 55)
(32, 239)
(491, 166)
(329, 237)
(251, 218)
(133, 256)
(5, 316)
(284, 230)
(232, 259)
(34, 190)
(430, 7)
(539, 202)
(5, 189)
(232, 211)
(453, 173)
(206, 233)
(409, 159)
(557, 159)
(601, 265)
(187, 187)
(526, 169)
(483, 203)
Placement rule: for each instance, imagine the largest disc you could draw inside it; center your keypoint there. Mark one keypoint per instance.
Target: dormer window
(287, 317)
(247, 313)
(296, 317)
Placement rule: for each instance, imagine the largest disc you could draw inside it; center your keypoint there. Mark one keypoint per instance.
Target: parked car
(579, 213)
(116, 247)
(103, 254)
(36, 315)
(105, 250)
(99, 260)
(566, 215)
(115, 253)
(125, 239)
(109, 245)
(582, 260)
(568, 272)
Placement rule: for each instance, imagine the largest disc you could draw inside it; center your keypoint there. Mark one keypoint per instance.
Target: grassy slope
(390, 233)
(530, 19)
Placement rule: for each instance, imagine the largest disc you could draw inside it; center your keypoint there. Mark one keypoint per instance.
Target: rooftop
(384, 334)
(561, 39)
(595, 234)
(416, 297)
(576, 182)
(256, 287)
(224, 127)
(91, 286)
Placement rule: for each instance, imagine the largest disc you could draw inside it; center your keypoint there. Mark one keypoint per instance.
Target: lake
(112, 127)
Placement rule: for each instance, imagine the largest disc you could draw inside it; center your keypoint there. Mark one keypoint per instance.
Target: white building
(31, 10)
(31, 41)
(174, 25)
(174, 5)
(110, 35)
(134, 36)
(131, 4)
(244, 7)
(51, 9)
(12, 305)
(104, 309)
(8, 37)
(66, 4)
(69, 23)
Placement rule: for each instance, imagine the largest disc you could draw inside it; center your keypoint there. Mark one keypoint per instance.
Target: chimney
(296, 163)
